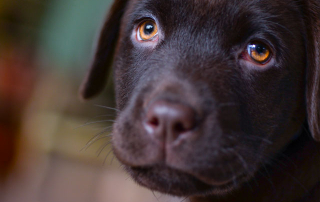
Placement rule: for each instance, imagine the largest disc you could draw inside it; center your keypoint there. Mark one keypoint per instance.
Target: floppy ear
(313, 66)
(96, 77)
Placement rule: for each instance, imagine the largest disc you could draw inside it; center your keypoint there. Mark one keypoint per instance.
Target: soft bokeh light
(45, 48)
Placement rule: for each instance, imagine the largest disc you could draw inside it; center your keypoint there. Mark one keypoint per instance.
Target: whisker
(234, 180)
(105, 107)
(297, 181)
(112, 159)
(121, 166)
(102, 121)
(274, 160)
(278, 160)
(267, 177)
(249, 185)
(169, 187)
(155, 196)
(104, 115)
(96, 137)
(288, 159)
(102, 148)
(245, 165)
(231, 150)
(252, 137)
(95, 140)
(107, 156)
(184, 199)
(281, 167)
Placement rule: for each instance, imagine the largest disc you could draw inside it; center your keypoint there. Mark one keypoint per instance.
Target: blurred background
(53, 147)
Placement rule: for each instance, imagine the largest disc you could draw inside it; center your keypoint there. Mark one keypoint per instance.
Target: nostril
(169, 120)
(179, 128)
(154, 122)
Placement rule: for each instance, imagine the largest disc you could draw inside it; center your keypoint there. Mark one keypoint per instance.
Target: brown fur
(249, 133)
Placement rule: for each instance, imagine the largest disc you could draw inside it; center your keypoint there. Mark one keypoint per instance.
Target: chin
(174, 182)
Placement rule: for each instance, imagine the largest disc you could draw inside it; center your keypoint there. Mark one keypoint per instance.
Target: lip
(205, 179)
(149, 176)
(180, 185)
(215, 182)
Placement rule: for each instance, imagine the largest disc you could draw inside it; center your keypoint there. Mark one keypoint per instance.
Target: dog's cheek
(126, 70)
(131, 146)
(276, 105)
(131, 142)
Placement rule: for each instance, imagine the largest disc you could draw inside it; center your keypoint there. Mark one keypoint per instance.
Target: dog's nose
(169, 120)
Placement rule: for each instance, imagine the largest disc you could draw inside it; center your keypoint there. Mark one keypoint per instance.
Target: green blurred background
(45, 48)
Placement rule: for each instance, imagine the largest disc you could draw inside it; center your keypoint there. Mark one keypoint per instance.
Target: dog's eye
(259, 52)
(147, 31)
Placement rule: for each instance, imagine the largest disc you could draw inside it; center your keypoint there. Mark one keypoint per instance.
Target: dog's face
(207, 90)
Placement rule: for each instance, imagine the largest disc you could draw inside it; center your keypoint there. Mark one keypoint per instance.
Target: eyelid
(149, 43)
(139, 19)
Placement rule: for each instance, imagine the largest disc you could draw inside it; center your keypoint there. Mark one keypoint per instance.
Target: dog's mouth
(178, 169)
(180, 183)
(184, 150)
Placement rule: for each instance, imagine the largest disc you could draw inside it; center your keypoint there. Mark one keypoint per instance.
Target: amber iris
(147, 30)
(259, 52)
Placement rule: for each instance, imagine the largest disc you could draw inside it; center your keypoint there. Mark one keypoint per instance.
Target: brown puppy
(218, 100)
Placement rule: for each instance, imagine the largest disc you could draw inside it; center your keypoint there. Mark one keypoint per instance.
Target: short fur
(256, 129)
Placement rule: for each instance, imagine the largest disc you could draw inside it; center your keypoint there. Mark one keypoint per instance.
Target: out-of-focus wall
(45, 48)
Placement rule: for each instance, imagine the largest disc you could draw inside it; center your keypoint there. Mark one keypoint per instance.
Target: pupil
(148, 29)
(260, 49)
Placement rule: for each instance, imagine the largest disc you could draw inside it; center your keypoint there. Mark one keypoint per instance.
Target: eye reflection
(259, 52)
(147, 30)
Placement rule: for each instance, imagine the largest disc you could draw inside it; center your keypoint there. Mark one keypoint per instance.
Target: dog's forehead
(180, 9)
(235, 18)
(202, 8)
